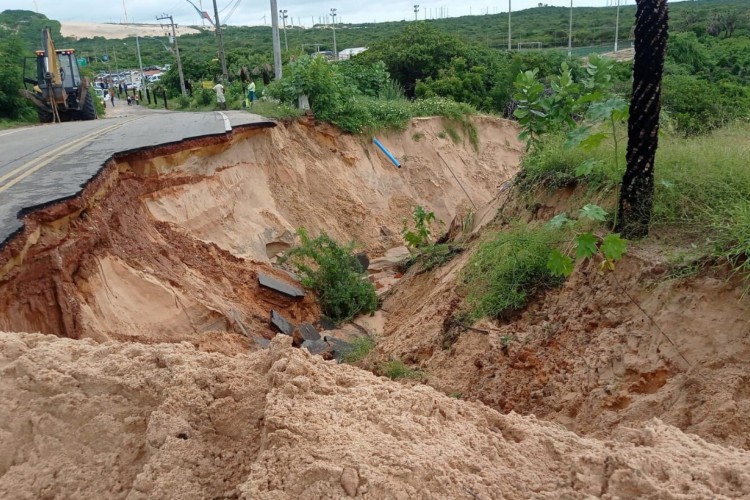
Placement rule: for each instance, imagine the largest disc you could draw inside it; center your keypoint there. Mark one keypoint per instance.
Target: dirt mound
(166, 245)
(586, 355)
(89, 420)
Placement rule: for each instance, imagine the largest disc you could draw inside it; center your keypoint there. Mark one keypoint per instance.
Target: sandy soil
(161, 390)
(88, 420)
(586, 355)
(77, 29)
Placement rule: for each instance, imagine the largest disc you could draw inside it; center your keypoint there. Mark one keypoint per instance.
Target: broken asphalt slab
(281, 323)
(279, 286)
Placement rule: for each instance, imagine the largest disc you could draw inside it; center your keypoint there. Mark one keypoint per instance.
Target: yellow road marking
(34, 165)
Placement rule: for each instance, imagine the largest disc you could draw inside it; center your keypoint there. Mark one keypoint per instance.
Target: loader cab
(70, 74)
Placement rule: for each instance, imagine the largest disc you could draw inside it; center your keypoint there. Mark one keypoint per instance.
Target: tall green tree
(637, 192)
(12, 105)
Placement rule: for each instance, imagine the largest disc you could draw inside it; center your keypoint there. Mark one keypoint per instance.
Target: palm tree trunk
(637, 192)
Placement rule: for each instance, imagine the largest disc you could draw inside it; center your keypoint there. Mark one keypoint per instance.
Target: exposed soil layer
(158, 260)
(603, 351)
(165, 245)
(88, 420)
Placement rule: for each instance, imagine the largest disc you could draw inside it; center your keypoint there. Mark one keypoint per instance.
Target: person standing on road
(220, 99)
(250, 93)
(112, 95)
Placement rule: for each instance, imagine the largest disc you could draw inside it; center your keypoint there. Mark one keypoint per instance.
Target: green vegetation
(334, 274)
(13, 107)
(358, 349)
(397, 369)
(356, 97)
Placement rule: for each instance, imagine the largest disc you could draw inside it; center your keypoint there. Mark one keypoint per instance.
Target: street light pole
(416, 12)
(570, 31)
(617, 25)
(333, 25)
(283, 15)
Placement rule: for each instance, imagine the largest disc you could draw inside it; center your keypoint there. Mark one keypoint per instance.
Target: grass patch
(452, 133)
(417, 136)
(397, 369)
(507, 270)
(276, 111)
(358, 349)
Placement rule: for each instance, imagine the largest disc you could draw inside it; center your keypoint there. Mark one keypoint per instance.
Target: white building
(347, 53)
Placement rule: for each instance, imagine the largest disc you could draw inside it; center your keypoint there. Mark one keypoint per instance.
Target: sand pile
(112, 31)
(166, 245)
(87, 420)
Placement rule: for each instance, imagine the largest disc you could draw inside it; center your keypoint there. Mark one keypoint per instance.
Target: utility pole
(617, 25)
(570, 31)
(140, 62)
(416, 12)
(275, 39)
(283, 15)
(509, 37)
(333, 25)
(177, 52)
(224, 73)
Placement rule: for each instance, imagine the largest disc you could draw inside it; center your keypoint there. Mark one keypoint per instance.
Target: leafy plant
(585, 244)
(420, 235)
(334, 274)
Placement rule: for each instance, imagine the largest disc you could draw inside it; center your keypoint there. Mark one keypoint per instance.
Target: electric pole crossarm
(176, 50)
(221, 44)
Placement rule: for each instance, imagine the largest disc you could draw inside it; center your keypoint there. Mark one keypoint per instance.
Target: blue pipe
(387, 153)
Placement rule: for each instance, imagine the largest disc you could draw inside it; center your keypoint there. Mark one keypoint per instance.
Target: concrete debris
(318, 347)
(281, 323)
(305, 332)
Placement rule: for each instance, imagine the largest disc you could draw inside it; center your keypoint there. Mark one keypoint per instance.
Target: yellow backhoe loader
(58, 90)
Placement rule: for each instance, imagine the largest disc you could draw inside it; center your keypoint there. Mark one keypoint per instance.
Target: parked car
(101, 94)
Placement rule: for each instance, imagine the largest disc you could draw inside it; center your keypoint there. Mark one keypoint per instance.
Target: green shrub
(698, 106)
(358, 349)
(396, 369)
(508, 269)
(334, 274)
(203, 97)
(183, 101)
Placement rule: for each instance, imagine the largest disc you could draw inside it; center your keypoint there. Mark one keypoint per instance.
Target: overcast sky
(252, 12)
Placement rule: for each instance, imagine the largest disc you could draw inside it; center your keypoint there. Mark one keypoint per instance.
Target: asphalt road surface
(47, 163)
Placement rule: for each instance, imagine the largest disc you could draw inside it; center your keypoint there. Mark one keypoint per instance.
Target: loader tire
(88, 112)
(44, 116)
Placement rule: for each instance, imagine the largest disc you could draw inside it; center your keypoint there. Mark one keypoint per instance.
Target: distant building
(347, 53)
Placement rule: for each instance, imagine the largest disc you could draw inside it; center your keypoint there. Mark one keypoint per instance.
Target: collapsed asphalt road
(50, 163)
